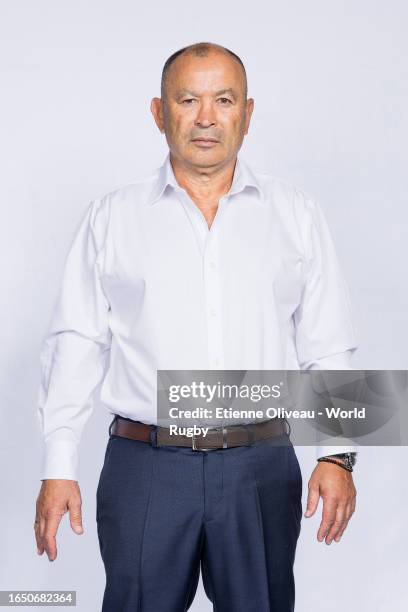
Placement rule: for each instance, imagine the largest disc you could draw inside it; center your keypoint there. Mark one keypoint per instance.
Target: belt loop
(110, 426)
(224, 437)
(153, 435)
(250, 433)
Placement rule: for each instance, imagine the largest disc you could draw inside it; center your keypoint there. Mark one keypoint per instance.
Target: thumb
(312, 501)
(75, 517)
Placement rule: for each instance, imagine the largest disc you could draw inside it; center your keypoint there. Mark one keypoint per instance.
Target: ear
(156, 107)
(248, 113)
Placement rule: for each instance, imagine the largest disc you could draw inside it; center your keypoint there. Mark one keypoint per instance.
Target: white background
(330, 85)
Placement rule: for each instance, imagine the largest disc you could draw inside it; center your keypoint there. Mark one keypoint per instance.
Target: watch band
(348, 460)
(339, 463)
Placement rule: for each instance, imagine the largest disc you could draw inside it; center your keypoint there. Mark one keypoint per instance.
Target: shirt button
(212, 265)
(213, 313)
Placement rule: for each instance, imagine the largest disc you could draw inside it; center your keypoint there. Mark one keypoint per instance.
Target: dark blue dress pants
(163, 512)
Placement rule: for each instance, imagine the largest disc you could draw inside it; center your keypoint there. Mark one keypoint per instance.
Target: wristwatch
(349, 459)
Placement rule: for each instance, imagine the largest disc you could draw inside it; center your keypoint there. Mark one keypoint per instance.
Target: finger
(37, 535)
(312, 501)
(40, 535)
(338, 523)
(349, 512)
(75, 516)
(49, 538)
(37, 527)
(340, 533)
(328, 518)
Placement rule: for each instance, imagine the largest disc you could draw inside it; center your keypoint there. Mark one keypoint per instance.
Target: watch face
(350, 458)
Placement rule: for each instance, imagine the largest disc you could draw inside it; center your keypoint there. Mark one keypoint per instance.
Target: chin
(206, 159)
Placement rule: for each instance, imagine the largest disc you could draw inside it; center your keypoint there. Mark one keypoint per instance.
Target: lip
(205, 142)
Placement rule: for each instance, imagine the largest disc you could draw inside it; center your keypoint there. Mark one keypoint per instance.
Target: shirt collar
(243, 177)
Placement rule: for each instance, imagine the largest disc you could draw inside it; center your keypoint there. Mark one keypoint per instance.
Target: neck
(204, 184)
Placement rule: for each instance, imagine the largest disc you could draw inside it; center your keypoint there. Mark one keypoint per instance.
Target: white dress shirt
(147, 285)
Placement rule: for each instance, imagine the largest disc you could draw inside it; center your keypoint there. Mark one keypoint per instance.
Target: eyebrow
(184, 92)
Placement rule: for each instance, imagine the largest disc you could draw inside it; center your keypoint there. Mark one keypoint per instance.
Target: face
(205, 114)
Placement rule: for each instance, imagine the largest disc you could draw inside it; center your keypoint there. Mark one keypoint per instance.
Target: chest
(171, 251)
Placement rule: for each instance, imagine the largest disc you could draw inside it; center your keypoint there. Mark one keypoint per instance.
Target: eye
(187, 101)
(225, 101)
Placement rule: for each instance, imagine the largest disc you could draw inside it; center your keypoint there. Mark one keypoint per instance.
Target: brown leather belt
(226, 437)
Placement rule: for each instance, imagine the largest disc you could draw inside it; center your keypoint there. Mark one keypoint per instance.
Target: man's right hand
(56, 497)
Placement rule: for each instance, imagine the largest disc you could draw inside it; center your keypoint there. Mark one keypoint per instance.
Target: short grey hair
(201, 49)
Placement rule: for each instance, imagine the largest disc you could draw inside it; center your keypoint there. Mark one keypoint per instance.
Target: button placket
(208, 242)
(213, 300)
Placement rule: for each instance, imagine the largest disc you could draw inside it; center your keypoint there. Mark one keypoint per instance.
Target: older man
(205, 264)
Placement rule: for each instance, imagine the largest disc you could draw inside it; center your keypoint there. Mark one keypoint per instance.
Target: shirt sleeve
(323, 319)
(325, 334)
(73, 350)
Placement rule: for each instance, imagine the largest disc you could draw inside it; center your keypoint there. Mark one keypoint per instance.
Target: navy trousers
(164, 512)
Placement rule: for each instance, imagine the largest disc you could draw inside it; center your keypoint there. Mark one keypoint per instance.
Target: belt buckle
(194, 446)
(224, 441)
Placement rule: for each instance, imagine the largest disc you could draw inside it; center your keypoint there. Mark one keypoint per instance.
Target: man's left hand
(337, 489)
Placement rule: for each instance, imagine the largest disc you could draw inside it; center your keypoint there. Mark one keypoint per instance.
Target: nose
(205, 115)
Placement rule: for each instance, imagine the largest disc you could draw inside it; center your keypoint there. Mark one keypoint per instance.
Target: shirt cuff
(337, 361)
(60, 460)
(324, 451)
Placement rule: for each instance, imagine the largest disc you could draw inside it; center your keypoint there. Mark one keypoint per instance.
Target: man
(206, 264)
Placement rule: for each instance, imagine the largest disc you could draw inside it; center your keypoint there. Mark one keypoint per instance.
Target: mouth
(205, 142)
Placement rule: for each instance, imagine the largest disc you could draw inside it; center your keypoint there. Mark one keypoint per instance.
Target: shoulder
(100, 209)
(292, 202)
(128, 197)
(296, 207)
(136, 192)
